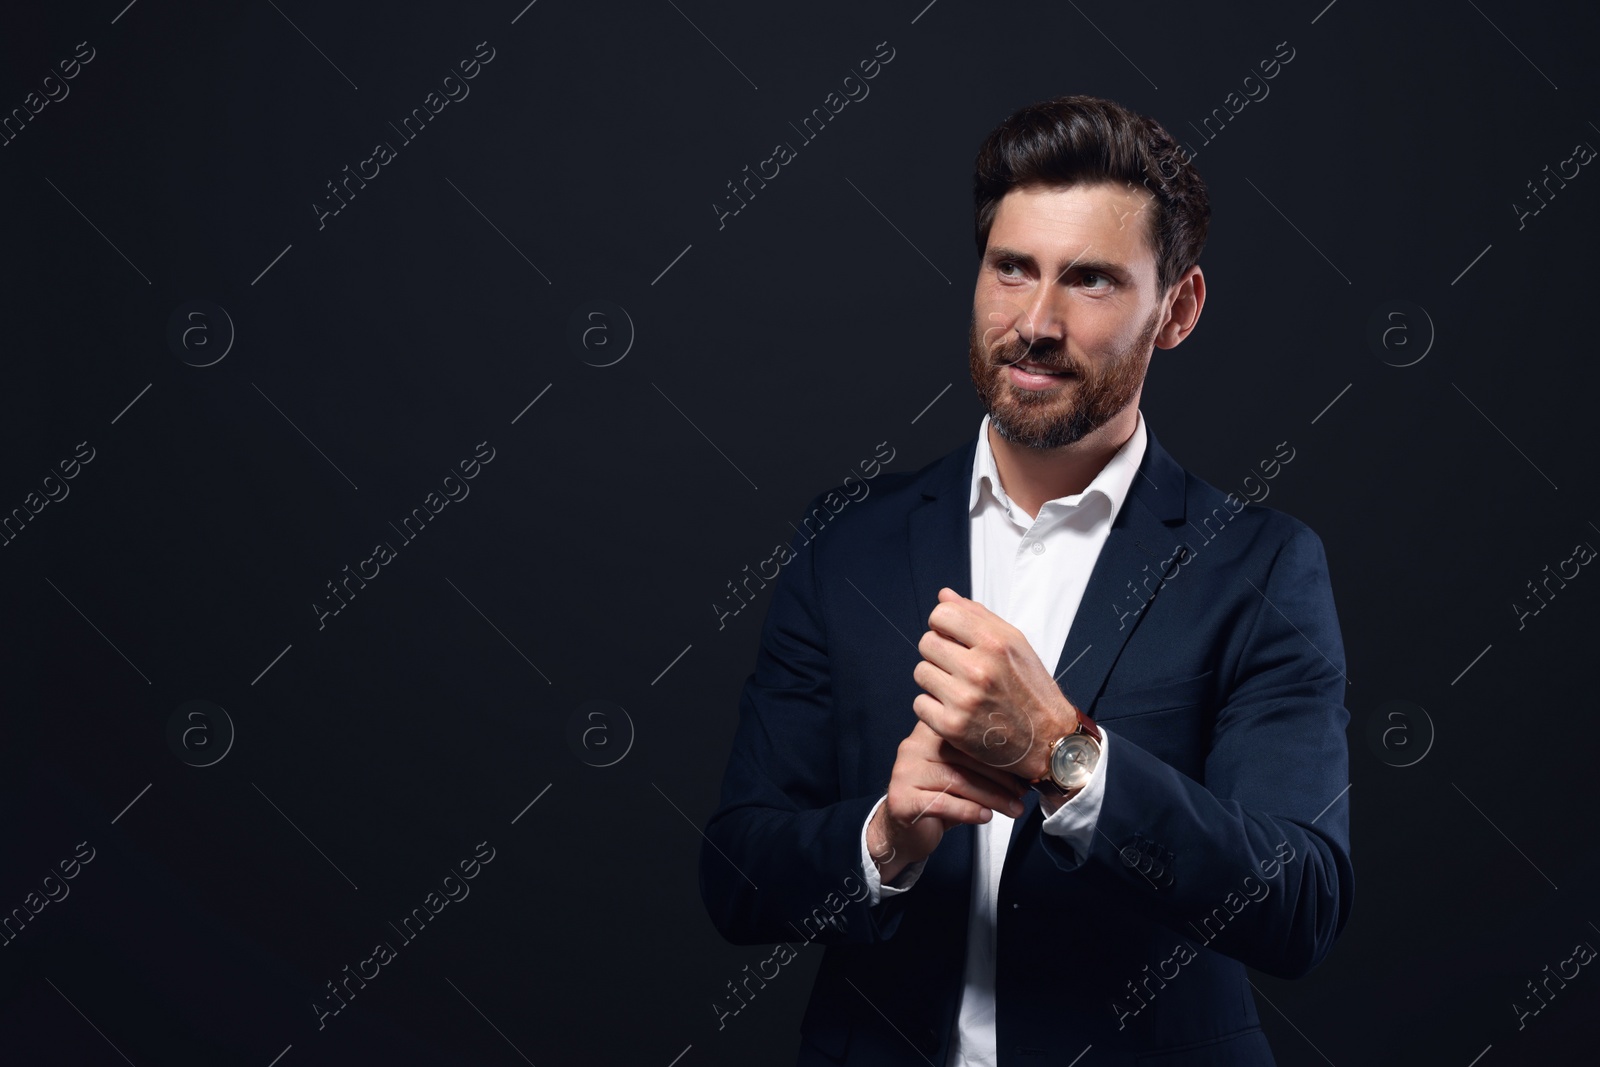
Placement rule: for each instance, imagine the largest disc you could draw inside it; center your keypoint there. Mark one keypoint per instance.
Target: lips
(1031, 367)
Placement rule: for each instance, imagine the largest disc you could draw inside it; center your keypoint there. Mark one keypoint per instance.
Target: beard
(1053, 418)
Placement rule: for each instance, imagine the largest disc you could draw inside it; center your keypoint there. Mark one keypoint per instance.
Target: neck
(1032, 476)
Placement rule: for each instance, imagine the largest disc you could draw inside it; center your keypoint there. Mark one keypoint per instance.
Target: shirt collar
(1112, 483)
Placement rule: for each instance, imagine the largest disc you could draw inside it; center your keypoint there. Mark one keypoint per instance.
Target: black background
(770, 354)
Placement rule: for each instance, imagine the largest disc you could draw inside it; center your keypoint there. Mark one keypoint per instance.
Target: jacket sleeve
(1255, 861)
(780, 856)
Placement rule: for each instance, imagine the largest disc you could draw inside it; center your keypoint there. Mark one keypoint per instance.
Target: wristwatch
(1072, 760)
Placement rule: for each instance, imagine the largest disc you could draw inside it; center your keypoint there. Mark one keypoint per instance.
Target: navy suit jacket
(1206, 642)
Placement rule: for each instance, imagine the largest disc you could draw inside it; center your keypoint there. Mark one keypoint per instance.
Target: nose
(1041, 318)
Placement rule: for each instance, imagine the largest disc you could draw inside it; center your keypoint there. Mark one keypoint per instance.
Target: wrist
(1061, 724)
(880, 848)
(1071, 757)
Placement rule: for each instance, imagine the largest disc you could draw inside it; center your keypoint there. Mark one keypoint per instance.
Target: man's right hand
(935, 786)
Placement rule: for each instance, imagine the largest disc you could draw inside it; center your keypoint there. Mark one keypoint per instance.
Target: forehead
(1056, 223)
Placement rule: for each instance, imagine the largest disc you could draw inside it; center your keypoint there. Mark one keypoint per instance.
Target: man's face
(1067, 285)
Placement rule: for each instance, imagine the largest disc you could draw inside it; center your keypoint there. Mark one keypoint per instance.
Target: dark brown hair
(1084, 140)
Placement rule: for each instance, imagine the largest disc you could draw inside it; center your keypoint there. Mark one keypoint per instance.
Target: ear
(1189, 296)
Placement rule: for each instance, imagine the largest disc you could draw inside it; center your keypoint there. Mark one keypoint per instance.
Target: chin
(1040, 438)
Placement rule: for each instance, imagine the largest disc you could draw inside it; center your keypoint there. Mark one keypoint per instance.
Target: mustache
(1009, 355)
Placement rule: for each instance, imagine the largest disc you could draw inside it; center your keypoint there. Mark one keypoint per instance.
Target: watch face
(1073, 761)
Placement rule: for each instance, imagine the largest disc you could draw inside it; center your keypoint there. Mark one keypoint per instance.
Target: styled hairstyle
(1086, 140)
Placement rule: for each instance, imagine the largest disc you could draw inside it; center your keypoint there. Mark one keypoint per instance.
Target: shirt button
(1038, 547)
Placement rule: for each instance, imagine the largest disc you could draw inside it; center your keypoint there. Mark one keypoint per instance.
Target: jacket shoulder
(866, 504)
(1265, 527)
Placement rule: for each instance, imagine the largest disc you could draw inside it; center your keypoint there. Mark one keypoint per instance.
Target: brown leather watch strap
(1048, 785)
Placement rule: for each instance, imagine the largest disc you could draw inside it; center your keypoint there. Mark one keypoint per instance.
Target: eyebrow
(1103, 266)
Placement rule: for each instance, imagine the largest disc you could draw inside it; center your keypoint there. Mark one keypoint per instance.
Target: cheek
(1111, 330)
(993, 324)
(1094, 338)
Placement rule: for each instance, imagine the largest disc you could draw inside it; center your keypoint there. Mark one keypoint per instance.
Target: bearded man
(1110, 774)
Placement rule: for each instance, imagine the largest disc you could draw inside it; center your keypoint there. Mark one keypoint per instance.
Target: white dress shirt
(1031, 571)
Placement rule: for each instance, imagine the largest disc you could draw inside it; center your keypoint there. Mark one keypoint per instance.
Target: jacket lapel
(940, 532)
(1139, 549)
(1116, 598)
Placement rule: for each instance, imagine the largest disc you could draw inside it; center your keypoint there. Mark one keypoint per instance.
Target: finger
(927, 743)
(949, 808)
(1002, 776)
(935, 703)
(934, 679)
(930, 745)
(961, 620)
(940, 651)
(956, 781)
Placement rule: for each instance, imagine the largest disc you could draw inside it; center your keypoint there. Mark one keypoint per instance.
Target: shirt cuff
(1075, 820)
(876, 888)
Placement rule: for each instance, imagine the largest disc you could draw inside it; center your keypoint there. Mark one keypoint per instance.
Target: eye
(1002, 265)
(1101, 277)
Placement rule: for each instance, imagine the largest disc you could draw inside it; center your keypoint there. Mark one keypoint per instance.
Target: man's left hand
(985, 690)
